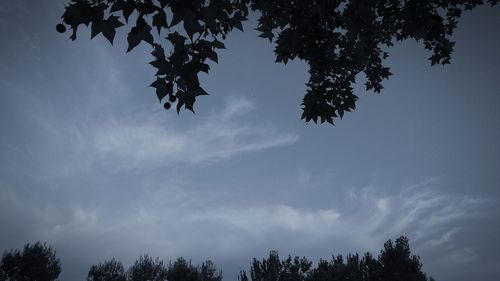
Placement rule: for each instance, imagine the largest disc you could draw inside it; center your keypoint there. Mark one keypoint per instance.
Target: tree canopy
(111, 270)
(147, 268)
(395, 263)
(35, 262)
(338, 39)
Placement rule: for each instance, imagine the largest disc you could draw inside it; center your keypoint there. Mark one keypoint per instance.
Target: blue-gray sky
(92, 164)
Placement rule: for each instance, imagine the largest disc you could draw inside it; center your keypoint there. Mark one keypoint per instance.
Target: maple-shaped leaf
(218, 44)
(107, 27)
(162, 88)
(209, 15)
(180, 100)
(191, 24)
(138, 33)
(145, 7)
(188, 98)
(162, 65)
(236, 21)
(158, 51)
(199, 92)
(202, 67)
(212, 55)
(160, 20)
(266, 32)
(178, 12)
(126, 6)
(176, 39)
(82, 12)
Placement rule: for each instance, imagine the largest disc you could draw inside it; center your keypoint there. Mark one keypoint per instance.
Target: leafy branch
(338, 39)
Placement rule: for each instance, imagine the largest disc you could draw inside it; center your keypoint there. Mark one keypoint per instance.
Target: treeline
(38, 262)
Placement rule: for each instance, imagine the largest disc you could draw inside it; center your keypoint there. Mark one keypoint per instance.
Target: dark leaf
(140, 32)
(145, 7)
(203, 67)
(188, 98)
(180, 100)
(176, 39)
(162, 65)
(191, 24)
(337, 39)
(178, 12)
(126, 6)
(106, 27)
(212, 55)
(158, 52)
(160, 20)
(218, 44)
(162, 88)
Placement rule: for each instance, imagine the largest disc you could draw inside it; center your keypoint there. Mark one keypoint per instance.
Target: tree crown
(337, 39)
(35, 262)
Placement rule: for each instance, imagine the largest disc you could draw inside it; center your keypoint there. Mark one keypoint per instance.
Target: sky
(93, 165)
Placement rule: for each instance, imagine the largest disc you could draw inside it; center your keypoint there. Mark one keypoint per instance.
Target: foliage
(353, 268)
(338, 39)
(395, 263)
(147, 269)
(182, 270)
(208, 272)
(111, 270)
(36, 262)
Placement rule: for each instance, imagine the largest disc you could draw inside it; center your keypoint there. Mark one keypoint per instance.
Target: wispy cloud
(420, 211)
(261, 221)
(220, 135)
(428, 217)
(175, 220)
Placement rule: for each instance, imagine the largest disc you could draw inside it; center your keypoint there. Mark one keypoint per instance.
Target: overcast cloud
(91, 163)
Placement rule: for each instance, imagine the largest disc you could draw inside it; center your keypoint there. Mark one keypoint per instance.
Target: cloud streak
(187, 221)
(420, 211)
(218, 136)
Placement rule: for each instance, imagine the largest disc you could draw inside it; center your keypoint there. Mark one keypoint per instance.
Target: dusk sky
(93, 165)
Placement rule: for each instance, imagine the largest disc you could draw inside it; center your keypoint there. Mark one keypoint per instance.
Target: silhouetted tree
(209, 272)
(111, 270)
(294, 269)
(369, 267)
(395, 263)
(36, 262)
(273, 269)
(338, 39)
(353, 268)
(182, 270)
(147, 269)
